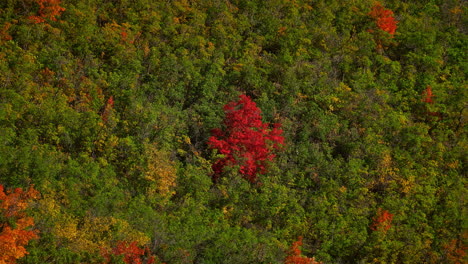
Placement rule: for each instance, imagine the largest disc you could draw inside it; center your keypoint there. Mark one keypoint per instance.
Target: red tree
(295, 256)
(428, 96)
(382, 221)
(245, 141)
(15, 226)
(130, 252)
(384, 18)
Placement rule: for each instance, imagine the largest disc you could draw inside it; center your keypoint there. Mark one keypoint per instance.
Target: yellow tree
(160, 171)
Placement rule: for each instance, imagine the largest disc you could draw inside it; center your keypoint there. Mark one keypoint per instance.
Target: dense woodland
(233, 131)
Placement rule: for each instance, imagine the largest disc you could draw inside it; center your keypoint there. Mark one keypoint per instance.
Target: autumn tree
(295, 256)
(384, 18)
(107, 109)
(48, 10)
(428, 97)
(382, 221)
(130, 252)
(245, 140)
(160, 172)
(91, 234)
(4, 35)
(455, 250)
(15, 225)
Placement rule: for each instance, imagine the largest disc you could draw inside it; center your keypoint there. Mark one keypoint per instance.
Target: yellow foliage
(386, 170)
(453, 165)
(67, 229)
(96, 233)
(237, 67)
(87, 234)
(386, 161)
(160, 171)
(47, 204)
(407, 185)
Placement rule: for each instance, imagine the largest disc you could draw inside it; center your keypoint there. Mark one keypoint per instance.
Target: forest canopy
(234, 131)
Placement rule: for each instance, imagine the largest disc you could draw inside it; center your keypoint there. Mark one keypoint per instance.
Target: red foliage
(131, 253)
(428, 96)
(382, 221)
(384, 18)
(246, 141)
(124, 35)
(295, 257)
(48, 10)
(108, 109)
(14, 224)
(110, 101)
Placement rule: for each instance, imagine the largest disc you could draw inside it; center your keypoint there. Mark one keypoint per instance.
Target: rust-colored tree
(295, 255)
(107, 109)
(15, 226)
(382, 221)
(4, 35)
(455, 251)
(48, 10)
(245, 140)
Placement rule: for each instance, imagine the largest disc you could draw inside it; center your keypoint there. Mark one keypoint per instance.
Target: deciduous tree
(382, 221)
(295, 255)
(245, 140)
(130, 252)
(15, 225)
(384, 18)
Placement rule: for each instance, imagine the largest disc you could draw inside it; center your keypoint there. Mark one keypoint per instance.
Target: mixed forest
(233, 131)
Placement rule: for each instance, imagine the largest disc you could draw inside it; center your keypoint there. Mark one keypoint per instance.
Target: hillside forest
(233, 131)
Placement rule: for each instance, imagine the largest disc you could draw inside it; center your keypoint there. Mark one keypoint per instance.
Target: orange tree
(15, 226)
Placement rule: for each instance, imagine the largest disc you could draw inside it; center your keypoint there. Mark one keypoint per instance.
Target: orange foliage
(4, 32)
(14, 223)
(382, 221)
(47, 76)
(282, 31)
(384, 18)
(295, 257)
(48, 9)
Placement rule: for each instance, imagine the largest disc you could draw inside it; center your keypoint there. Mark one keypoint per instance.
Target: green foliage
(108, 110)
